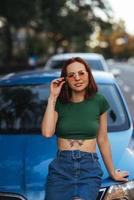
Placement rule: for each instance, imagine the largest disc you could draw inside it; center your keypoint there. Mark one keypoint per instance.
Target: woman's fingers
(58, 81)
(125, 173)
(56, 86)
(124, 179)
(121, 175)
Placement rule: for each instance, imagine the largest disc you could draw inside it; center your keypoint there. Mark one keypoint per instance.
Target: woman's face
(77, 76)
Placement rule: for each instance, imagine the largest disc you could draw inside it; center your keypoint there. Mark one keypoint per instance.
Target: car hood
(119, 141)
(125, 163)
(25, 159)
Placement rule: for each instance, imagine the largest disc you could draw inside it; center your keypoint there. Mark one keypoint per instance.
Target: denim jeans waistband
(76, 154)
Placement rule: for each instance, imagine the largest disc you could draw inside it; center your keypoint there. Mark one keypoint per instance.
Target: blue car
(25, 154)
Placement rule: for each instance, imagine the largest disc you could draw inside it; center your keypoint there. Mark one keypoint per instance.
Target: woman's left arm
(105, 149)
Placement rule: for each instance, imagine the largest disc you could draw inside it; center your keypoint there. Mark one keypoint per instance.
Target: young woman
(76, 113)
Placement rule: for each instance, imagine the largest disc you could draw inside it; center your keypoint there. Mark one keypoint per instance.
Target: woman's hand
(120, 175)
(56, 86)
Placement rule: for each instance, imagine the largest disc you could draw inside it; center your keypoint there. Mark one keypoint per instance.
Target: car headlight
(123, 191)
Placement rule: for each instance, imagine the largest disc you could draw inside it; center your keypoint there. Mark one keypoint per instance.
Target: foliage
(18, 12)
(71, 21)
(118, 43)
(51, 25)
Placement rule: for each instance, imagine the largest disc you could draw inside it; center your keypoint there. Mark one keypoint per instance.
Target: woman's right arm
(50, 117)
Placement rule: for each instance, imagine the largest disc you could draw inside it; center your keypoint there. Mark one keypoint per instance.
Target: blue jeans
(74, 174)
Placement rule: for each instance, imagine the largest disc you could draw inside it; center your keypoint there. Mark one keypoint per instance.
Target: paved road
(126, 82)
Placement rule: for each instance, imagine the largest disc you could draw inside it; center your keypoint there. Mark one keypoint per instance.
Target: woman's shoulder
(103, 102)
(97, 96)
(59, 105)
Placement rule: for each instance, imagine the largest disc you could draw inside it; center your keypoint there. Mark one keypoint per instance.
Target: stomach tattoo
(75, 142)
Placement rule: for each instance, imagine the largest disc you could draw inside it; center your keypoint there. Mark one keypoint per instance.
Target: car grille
(10, 196)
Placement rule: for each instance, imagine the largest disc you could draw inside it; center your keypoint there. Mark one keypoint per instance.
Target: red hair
(65, 94)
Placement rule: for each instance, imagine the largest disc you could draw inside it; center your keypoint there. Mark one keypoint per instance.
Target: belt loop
(73, 155)
(92, 156)
(79, 154)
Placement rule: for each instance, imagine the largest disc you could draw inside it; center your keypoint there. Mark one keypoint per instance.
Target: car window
(95, 64)
(117, 115)
(22, 108)
(56, 64)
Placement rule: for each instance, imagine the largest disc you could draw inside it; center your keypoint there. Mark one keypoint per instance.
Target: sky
(124, 9)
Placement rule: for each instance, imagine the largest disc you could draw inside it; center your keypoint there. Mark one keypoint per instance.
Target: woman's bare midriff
(88, 145)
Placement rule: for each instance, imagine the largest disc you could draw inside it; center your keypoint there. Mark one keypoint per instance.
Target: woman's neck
(77, 97)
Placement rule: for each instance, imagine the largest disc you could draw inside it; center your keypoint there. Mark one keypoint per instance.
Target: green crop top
(80, 120)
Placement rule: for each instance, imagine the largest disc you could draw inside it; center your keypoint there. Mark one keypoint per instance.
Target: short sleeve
(57, 106)
(104, 105)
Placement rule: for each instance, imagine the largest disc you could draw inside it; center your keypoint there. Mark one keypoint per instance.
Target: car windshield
(95, 64)
(22, 108)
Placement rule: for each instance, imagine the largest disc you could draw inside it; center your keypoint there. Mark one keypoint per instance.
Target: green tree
(17, 13)
(66, 23)
(69, 21)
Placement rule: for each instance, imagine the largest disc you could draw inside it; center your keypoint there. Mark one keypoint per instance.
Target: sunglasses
(81, 74)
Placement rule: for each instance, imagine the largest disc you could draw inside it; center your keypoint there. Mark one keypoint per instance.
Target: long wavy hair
(66, 91)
